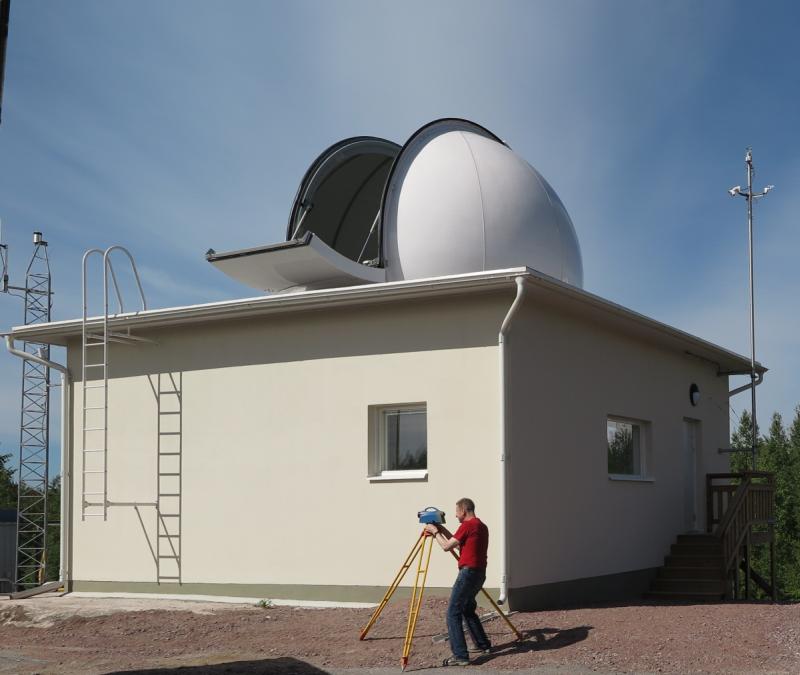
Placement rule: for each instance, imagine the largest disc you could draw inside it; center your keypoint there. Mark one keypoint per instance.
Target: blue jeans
(462, 607)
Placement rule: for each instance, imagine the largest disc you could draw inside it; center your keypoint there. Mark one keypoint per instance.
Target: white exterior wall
(567, 519)
(275, 444)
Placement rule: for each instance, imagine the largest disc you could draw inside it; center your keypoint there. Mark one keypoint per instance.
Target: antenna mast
(34, 435)
(747, 193)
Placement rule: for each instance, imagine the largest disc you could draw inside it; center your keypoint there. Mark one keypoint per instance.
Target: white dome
(458, 200)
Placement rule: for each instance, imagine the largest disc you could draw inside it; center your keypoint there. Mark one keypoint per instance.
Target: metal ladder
(170, 467)
(94, 417)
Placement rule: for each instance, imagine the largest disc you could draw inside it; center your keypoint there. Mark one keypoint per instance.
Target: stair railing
(752, 504)
(719, 496)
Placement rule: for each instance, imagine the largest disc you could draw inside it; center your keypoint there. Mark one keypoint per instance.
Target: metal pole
(754, 380)
(753, 438)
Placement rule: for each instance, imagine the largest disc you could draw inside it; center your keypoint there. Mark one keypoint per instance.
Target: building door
(691, 453)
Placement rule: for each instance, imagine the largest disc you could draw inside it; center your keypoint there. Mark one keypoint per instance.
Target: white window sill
(416, 474)
(631, 479)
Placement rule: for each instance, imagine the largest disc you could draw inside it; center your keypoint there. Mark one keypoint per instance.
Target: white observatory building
(421, 335)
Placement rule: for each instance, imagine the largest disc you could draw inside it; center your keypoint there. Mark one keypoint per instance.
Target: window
(627, 448)
(399, 441)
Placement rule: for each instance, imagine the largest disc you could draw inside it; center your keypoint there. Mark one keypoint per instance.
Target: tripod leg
(416, 599)
(393, 587)
(500, 612)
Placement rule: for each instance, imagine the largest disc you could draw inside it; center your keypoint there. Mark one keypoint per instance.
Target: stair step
(670, 596)
(689, 585)
(689, 573)
(693, 561)
(714, 548)
(697, 539)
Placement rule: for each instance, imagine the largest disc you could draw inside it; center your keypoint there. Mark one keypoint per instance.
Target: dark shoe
(455, 661)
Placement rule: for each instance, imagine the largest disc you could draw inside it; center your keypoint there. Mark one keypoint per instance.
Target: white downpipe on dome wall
(504, 457)
(63, 572)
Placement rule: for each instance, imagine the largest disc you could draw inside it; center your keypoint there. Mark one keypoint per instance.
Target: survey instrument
(421, 553)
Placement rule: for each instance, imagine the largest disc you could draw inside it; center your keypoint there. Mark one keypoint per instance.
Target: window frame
(378, 445)
(645, 450)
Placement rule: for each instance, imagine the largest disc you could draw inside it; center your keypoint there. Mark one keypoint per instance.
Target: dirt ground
(94, 635)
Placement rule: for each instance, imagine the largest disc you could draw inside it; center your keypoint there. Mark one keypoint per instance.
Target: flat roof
(539, 285)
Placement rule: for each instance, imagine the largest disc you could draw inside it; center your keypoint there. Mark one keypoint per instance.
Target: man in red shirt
(472, 538)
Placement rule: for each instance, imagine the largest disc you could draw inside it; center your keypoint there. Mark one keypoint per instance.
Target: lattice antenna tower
(34, 435)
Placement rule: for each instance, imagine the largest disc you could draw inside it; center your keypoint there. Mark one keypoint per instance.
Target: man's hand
(430, 528)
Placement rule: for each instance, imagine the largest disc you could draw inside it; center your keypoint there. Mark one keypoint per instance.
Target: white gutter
(246, 307)
(504, 449)
(63, 572)
(729, 363)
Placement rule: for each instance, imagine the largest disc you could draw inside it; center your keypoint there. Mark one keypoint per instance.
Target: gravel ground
(92, 635)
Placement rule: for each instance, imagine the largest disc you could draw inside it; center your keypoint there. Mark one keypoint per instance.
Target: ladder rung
(175, 391)
(168, 557)
(93, 515)
(170, 412)
(168, 454)
(170, 515)
(169, 433)
(169, 494)
(170, 474)
(95, 407)
(94, 450)
(94, 386)
(94, 428)
(94, 493)
(169, 536)
(93, 344)
(170, 578)
(93, 471)
(94, 365)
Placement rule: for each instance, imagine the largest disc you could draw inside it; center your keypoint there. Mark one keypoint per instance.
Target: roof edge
(58, 332)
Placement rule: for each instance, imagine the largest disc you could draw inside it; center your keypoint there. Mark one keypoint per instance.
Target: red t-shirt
(473, 538)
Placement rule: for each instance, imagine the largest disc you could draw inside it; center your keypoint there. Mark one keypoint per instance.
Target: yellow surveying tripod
(421, 551)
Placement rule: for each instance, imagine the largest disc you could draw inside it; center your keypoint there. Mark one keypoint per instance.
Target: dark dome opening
(339, 199)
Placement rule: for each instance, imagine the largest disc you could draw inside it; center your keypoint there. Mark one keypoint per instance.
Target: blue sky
(174, 127)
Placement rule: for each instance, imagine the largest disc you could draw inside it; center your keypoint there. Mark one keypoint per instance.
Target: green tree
(741, 440)
(772, 457)
(53, 529)
(8, 500)
(8, 488)
(777, 453)
(790, 526)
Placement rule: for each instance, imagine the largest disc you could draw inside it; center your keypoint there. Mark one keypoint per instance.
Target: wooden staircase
(706, 567)
(692, 571)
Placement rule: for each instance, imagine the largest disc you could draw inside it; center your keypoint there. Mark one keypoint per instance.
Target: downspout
(504, 450)
(759, 379)
(63, 572)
